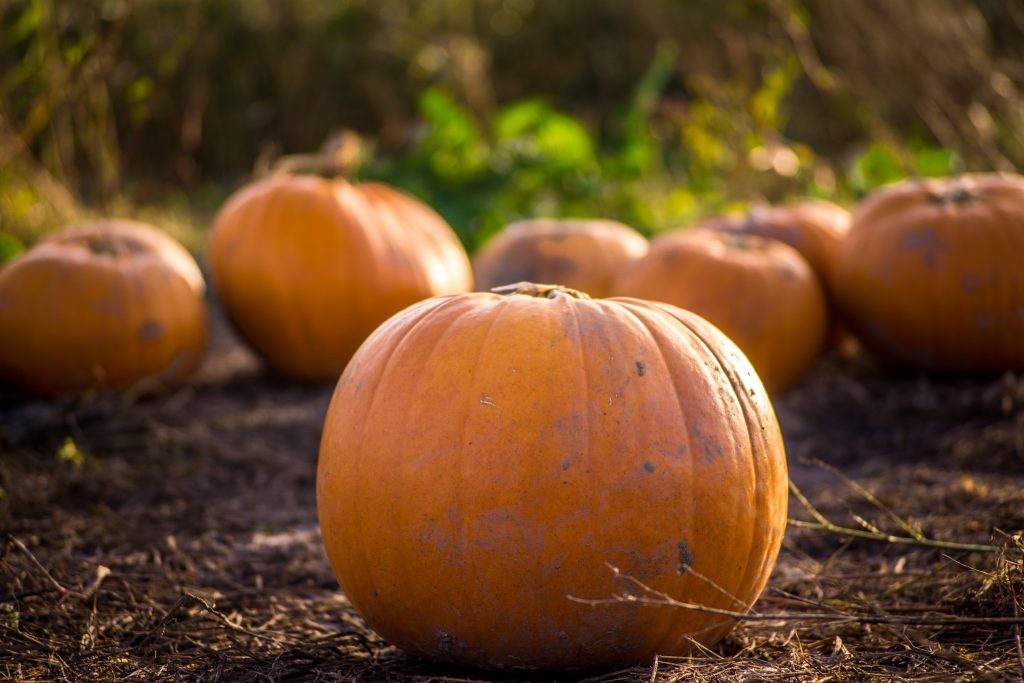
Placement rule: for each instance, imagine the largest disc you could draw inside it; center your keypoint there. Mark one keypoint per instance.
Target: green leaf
(69, 452)
(10, 246)
(533, 128)
(936, 162)
(879, 165)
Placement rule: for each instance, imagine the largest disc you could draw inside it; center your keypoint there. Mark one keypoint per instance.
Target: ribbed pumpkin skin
(760, 292)
(307, 267)
(100, 306)
(581, 254)
(485, 458)
(932, 273)
(814, 227)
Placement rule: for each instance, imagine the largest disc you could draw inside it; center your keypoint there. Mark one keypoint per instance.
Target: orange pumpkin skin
(105, 305)
(307, 267)
(485, 458)
(932, 273)
(581, 254)
(760, 292)
(814, 227)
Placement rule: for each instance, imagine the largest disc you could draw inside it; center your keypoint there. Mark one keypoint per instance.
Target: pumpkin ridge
(713, 624)
(587, 439)
(357, 466)
(668, 625)
(753, 428)
(464, 479)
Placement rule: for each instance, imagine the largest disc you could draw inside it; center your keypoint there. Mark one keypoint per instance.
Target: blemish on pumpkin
(984, 320)
(927, 242)
(649, 466)
(445, 642)
(682, 449)
(685, 557)
(150, 331)
(970, 283)
(565, 465)
(640, 368)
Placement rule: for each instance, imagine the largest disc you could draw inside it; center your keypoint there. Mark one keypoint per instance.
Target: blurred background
(652, 112)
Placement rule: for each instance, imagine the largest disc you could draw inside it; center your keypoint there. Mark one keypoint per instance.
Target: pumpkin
(760, 292)
(105, 305)
(931, 275)
(307, 267)
(814, 227)
(581, 254)
(490, 460)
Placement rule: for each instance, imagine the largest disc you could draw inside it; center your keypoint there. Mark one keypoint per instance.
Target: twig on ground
(869, 497)
(661, 599)
(63, 590)
(824, 524)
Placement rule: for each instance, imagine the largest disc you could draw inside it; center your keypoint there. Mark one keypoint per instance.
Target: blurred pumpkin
(760, 292)
(307, 267)
(582, 254)
(105, 305)
(583, 444)
(814, 227)
(931, 274)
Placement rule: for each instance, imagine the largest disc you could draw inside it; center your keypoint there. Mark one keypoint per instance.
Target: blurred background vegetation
(653, 112)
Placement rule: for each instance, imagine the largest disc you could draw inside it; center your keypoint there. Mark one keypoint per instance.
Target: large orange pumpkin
(760, 292)
(488, 459)
(814, 227)
(307, 267)
(931, 274)
(582, 254)
(98, 306)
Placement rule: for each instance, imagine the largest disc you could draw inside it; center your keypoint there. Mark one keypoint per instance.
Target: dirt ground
(175, 538)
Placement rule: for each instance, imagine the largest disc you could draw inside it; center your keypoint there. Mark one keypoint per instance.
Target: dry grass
(174, 537)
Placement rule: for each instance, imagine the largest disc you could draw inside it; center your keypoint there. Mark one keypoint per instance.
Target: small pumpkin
(814, 227)
(307, 267)
(583, 444)
(931, 275)
(581, 254)
(105, 305)
(760, 292)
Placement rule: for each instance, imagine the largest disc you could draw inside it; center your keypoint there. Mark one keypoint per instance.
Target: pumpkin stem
(339, 157)
(740, 240)
(540, 291)
(961, 194)
(106, 244)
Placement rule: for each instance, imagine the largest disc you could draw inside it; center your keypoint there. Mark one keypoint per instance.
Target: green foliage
(532, 160)
(878, 165)
(653, 113)
(881, 165)
(9, 619)
(70, 453)
(10, 246)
